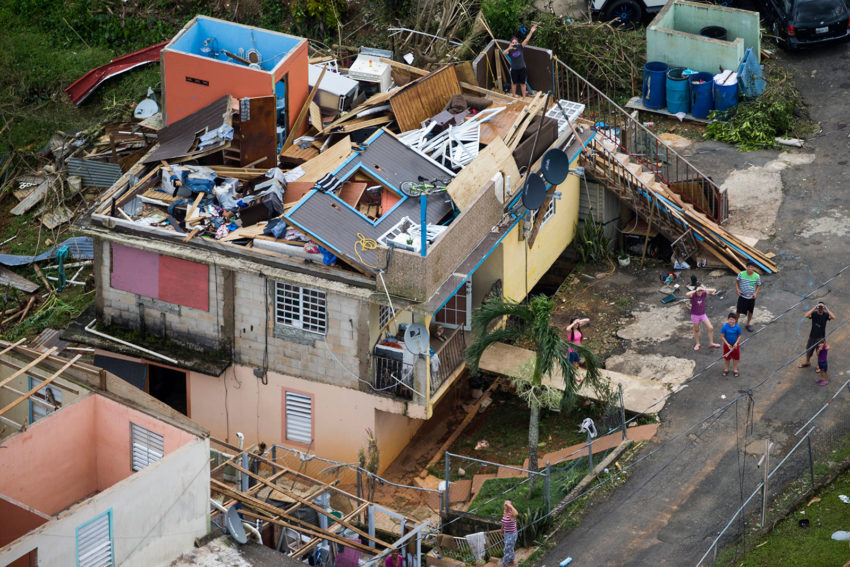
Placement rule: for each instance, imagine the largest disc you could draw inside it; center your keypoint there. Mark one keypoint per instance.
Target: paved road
(678, 499)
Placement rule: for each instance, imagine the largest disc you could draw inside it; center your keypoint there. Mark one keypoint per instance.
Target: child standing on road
(699, 299)
(731, 333)
(823, 352)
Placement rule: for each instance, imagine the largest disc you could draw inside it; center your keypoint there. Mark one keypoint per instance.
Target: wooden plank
(365, 123)
(59, 215)
(499, 125)
(26, 367)
(303, 526)
(464, 72)
(466, 186)
(41, 385)
(315, 116)
(246, 232)
(31, 200)
(10, 278)
(159, 196)
(459, 429)
(424, 97)
(302, 114)
(315, 541)
(326, 161)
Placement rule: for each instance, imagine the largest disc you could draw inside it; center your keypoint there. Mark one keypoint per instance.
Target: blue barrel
(678, 99)
(702, 100)
(653, 94)
(725, 97)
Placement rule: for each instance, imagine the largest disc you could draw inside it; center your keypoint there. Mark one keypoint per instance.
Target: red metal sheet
(184, 283)
(83, 87)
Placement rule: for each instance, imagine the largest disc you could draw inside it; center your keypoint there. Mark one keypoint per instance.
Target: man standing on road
(515, 54)
(819, 314)
(747, 285)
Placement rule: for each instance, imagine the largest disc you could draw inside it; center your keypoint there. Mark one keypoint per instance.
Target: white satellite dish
(147, 108)
(416, 338)
(234, 525)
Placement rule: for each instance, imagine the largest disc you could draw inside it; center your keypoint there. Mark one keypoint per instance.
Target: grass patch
(788, 543)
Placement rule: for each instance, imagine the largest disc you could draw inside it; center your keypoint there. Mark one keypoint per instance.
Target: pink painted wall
(112, 438)
(340, 415)
(134, 270)
(83, 448)
(16, 521)
(53, 452)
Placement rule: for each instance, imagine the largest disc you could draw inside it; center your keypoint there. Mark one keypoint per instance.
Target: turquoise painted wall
(673, 36)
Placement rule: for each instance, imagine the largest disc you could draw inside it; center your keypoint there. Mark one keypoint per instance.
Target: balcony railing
(618, 126)
(392, 376)
(451, 355)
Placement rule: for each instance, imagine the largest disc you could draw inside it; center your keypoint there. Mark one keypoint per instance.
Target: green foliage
(56, 312)
(756, 123)
(592, 245)
(317, 18)
(535, 524)
(505, 16)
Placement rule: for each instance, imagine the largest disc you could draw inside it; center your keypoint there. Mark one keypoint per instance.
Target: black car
(804, 23)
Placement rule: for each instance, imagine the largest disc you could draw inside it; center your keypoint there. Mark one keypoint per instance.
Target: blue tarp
(751, 82)
(79, 248)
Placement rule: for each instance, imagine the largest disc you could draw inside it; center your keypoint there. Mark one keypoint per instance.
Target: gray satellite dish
(534, 192)
(146, 109)
(234, 525)
(555, 166)
(416, 338)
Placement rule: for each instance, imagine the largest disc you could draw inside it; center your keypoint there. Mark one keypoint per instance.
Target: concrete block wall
(412, 275)
(175, 322)
(334, 358)
(673, 36)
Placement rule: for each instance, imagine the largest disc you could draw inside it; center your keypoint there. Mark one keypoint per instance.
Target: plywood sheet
(257, 138)
(498, 126)
(468, 183)
(352, 191)
(424, 97)
(326, 161)
(10, 278)
(295, 190)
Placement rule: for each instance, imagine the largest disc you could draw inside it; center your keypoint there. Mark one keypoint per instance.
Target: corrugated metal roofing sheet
(94, 173)
(178, 139)
(79, 248)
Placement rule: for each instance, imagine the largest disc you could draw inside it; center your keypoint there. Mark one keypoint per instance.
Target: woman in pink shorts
(699, 299)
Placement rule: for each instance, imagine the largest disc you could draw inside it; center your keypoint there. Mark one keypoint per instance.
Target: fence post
(446, 491)
(546, 488)
(244, 482)
(811, 460)
(622, 411)
(590, 450)
(274, 453)
(764, 484)
(359, 480)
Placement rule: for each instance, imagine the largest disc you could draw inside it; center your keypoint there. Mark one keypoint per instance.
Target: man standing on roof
(514, 52)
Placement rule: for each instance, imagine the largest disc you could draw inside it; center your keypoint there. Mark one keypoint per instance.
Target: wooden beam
(274, 511)
(38, 387)
(313, 542)
(315, 532)
(309, 504)
(302, 114)
(12, 346)
(24, 369)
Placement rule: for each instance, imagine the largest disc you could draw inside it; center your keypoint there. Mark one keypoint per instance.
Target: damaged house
(313, 256)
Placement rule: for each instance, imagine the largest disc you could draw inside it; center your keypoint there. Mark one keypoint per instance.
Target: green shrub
(505, 16)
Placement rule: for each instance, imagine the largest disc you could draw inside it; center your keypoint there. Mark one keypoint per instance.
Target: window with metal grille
(550, 212)
(384, 316)
(147, 447)
(301, 308)
(94, 542)
(299, 417)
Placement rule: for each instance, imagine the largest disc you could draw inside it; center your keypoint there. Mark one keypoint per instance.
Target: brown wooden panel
(257, 135)
(424, 97)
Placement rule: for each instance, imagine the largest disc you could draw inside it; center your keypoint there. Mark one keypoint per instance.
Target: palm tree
(530, 322)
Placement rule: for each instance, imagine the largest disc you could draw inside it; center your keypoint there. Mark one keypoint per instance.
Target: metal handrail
(451, 355)
(633, 138)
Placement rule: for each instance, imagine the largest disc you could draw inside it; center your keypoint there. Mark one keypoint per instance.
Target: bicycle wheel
(410, 188)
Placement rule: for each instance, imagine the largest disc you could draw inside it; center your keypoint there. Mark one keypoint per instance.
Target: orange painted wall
(52, 453)
(16, 521)
(83, 448)
(182, 97)
(112, 438)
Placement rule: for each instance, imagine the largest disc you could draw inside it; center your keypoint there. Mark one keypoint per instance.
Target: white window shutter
(299, 418)
(147, 447)
(94, 543)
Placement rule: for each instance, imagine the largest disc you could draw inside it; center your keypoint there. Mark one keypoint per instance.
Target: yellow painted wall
(522, 267)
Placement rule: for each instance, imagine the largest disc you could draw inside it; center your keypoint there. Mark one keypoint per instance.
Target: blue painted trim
(478, 265)
(351, 158)
(373, 137)
(111, 537)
